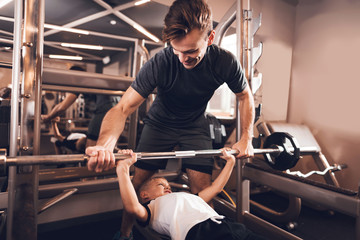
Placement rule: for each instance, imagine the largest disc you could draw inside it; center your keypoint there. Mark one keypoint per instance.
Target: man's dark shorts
(164, 139)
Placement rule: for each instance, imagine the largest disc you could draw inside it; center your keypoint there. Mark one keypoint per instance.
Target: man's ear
(211, 37)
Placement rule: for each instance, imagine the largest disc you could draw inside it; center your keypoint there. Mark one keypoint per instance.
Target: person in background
(103, 103)
(75, 142)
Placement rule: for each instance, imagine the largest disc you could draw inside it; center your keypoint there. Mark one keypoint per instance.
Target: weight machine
(105, 189)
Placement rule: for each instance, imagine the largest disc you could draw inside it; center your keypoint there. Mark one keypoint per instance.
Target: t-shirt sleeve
(230, 70)
(147, 79)
(146, 223)
(236, 80)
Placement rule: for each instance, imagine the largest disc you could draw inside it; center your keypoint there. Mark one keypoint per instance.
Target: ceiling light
(66, 29)
(142, 30)
(4, 2)
(83, 46)
(106, 60)
(141, 2)
(112, 22)
(65, 57)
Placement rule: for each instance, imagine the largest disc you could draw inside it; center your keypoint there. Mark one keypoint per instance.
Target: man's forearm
(247, 116)
(114, 121)
(111, 128)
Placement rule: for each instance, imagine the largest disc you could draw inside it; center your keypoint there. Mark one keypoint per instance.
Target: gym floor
(312, 224)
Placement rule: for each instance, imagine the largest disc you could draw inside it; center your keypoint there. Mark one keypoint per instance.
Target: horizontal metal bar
(267, 229)
(73, 78)
(60, 88)
(49, 190)
(76, 158)
(80, 158)
(67, 193)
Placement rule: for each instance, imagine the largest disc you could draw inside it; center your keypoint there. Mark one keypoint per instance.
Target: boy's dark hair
(184, 16)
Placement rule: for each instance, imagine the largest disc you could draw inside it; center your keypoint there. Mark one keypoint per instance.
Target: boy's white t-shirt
(174, 214)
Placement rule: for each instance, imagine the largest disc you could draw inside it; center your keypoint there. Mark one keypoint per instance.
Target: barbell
(277, 154)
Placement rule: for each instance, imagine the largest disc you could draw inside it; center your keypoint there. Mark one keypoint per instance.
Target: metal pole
(239, 40)
(134, 116)
(14, 122)
(224, 24)
(247, 42)
(26, 187)
(242, 186)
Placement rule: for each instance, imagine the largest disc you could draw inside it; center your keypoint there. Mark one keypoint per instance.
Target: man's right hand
(100, 159)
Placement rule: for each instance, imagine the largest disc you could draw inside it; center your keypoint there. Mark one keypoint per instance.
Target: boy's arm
(101, 155)
(219, 183)
(127, 191)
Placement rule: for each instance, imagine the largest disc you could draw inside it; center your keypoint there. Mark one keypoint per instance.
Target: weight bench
(328, 194)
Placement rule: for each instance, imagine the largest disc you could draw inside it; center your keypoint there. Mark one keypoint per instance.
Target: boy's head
(188, 28)
(153, 188)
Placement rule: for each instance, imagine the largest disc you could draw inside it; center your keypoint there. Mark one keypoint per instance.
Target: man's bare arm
(247, 115)
(101, 155)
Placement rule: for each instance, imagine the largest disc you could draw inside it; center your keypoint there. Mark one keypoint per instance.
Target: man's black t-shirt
(183, 94)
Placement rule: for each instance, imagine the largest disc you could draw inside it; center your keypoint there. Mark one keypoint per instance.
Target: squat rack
(245, 172)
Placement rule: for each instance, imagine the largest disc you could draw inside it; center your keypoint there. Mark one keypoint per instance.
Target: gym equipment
(217, 131)
(285, 159)
(305, 138)
(290, 215)
(278, 155)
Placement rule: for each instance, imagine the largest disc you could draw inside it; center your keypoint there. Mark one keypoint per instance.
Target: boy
(179, 215)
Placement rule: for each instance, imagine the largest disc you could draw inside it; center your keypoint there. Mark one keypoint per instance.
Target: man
(185, 74)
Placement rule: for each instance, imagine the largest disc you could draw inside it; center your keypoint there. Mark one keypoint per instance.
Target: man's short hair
(184, 16)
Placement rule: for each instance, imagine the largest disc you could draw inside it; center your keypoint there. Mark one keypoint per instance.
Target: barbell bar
(275, 151)
(82, 158)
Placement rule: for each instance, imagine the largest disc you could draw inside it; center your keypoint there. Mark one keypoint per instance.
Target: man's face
(191, 48)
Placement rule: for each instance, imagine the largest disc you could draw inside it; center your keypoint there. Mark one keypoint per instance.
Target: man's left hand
(245, 148)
